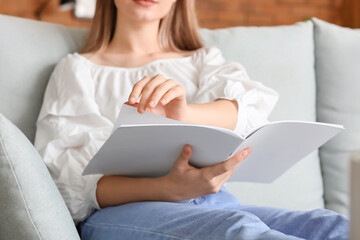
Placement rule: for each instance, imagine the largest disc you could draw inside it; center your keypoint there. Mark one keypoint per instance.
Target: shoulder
(209, 55)
(72, 66)
(72, 61)
(207, 51)
(71, 75)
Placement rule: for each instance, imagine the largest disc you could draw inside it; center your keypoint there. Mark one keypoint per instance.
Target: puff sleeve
(70, 130)
(220, 79)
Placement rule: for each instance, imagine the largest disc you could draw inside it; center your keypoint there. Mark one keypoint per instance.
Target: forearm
(117, 190)
(220, 113)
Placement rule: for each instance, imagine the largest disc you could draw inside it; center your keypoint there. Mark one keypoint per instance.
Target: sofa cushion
(281, 57)
(29, 51)
(338, 78)
(31, 206)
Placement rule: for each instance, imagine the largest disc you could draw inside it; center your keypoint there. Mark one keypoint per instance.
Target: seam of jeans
(133, 228)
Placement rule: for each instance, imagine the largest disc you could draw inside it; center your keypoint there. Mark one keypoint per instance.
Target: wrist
(188, 113)
(164, 187)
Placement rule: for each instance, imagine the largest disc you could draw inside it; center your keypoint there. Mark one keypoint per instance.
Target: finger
(222, 179)
(148, 91)
(137, 89)
(135, 105)
(230, 164)
(184, 157)
(242, 155)
(160, 91)
(172, 94)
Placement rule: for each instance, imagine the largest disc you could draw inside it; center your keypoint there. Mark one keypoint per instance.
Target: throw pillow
(31, 205)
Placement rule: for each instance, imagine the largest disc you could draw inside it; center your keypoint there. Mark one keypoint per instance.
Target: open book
(147, 145)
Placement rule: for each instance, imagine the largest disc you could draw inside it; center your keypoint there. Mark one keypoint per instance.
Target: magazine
(147, 145)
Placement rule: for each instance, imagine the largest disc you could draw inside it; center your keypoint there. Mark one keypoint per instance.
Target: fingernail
(186, 150)
(163, 101)
(132, 100)
(152, 103)
(141, 109)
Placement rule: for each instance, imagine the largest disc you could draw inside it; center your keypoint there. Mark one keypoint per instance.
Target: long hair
(178, 30)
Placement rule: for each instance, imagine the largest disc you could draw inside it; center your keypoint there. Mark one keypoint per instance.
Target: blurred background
(212, 13)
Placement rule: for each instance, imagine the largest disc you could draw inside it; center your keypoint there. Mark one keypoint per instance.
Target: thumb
(184, 157)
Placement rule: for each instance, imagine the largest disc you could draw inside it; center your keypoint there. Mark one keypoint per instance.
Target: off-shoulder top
(83, 99)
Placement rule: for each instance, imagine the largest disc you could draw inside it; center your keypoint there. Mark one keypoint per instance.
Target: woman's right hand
(185, 181)
(161, 96)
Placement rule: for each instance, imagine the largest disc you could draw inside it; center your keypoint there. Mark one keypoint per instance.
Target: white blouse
(83, 99)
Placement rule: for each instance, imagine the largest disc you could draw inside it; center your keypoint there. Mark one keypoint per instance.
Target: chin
(144, 10)
(141, 16)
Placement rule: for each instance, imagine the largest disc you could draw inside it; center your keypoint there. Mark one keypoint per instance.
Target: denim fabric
(216, 216)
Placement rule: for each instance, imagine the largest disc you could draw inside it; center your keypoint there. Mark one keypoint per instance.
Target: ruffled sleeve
(70, 130)
(220, 79)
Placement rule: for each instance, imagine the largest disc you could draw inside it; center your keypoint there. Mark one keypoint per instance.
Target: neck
(135, 37)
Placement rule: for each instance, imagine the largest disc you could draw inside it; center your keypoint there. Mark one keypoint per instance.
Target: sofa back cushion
(29, 51)
(281, 57)
(338, 77)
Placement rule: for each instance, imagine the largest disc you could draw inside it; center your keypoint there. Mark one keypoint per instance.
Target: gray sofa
(314, 65)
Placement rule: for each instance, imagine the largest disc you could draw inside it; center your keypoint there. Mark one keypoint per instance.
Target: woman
(148, 53)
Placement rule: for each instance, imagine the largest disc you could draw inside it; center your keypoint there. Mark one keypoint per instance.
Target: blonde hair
(177, 30)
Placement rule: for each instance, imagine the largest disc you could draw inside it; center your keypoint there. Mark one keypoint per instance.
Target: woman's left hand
(161, 96)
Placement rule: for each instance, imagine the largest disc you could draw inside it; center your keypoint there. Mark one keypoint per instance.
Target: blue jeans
(216, 216)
